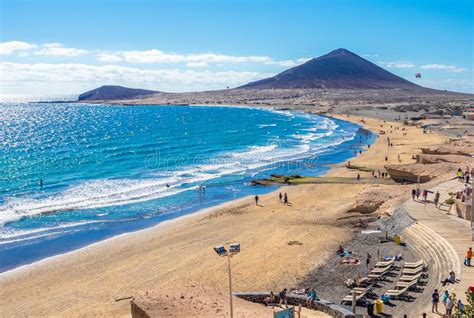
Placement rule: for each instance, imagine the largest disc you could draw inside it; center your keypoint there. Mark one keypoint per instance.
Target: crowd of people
(282, 299)
(448, 302)
(464, 176)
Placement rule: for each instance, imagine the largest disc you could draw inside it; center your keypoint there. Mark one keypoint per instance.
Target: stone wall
(463, 209)
(321, 305)
(137, 312)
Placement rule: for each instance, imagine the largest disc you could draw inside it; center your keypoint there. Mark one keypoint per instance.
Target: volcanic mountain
(337, 69)
(110, 92)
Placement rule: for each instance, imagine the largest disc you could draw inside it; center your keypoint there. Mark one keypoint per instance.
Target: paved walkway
(442, 239)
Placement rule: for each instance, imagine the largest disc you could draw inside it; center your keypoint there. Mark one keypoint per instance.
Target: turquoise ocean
(74, 174)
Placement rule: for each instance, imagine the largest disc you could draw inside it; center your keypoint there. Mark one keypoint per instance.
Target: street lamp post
(234, 248)
(472, 206)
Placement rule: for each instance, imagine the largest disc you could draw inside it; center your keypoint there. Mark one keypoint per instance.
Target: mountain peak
(340, 68)
(340, 51)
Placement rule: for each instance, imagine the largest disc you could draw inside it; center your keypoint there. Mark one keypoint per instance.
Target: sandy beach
(280, 244)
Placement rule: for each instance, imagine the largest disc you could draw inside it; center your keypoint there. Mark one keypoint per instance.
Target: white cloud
(450, 68)
(397, 64)
(109, 58)
(81, 74)
(58, 49)
(302, 60)
(198, 60)
(146, 56)
(7, 48)
(369, 55)
(197, 64)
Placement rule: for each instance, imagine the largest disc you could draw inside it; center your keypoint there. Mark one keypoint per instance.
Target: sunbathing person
(270, 299)
(342, 252)
(350, 261)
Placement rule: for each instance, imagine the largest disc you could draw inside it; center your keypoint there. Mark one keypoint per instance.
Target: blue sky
(71, 46)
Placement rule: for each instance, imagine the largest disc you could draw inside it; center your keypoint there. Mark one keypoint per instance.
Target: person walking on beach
(436, 199)
(280, 196)
(418, 193)
(413, 194)
(358, 177)
(445, 297)
(468, 257)
(285, 199)
(435, 301)
(460, 307)
(256, 200)
(368, 259)
(283, 299)
(449, 306)
(386, 158)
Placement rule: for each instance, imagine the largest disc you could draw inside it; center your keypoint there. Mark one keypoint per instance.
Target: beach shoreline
(179, 215)
(179, 252)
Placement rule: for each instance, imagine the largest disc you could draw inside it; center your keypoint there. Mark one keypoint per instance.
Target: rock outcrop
(463, 150)
(371, 199)
(430, 159)
(413, 173)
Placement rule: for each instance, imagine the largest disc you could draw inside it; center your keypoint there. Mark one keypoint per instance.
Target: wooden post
(230, 287)
(472, 206)
(354, 302)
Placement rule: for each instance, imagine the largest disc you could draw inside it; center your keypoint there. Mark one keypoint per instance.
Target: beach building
(468, 114)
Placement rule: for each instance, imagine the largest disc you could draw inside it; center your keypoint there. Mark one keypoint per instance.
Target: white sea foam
(266, 125)
(114, 192)
(29, 238)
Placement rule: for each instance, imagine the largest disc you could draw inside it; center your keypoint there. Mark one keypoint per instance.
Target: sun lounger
(410, 278)
(348, 298)
(401, 285)
(385, 264)
(378, 270)
(412, 271)
(360, 290)
(413, 264)
(398, 293)
(377, 275)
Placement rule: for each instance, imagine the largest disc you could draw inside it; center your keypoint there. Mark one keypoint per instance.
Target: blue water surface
(106, 170)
